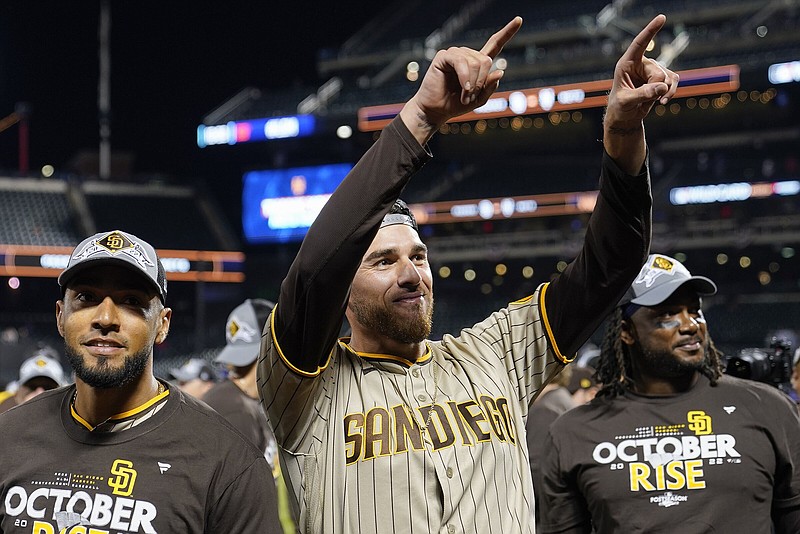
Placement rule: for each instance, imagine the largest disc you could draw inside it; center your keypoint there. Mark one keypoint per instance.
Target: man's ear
(627, 332)
(60, 317)
(163, 325)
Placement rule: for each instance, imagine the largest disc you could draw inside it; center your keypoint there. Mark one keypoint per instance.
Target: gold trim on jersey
(550, 336)
(389, 357)
(309, 374)
(124, 415)
(523, 300)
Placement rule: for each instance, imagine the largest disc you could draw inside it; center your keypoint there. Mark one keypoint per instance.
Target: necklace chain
(424, 429)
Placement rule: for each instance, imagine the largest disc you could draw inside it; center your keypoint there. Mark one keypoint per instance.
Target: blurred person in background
(195, 377)
(554, 400)
(573, 387)
(670, 443)
(236, 398)
(37, 374)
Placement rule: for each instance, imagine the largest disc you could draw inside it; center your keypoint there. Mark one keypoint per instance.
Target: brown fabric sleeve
(616, 246)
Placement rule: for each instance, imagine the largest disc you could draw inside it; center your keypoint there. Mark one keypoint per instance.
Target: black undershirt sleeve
(314, 294)
(616, 246)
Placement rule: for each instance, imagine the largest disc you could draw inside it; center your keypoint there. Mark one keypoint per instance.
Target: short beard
(103, 376)
(383, 322)
(664, 364)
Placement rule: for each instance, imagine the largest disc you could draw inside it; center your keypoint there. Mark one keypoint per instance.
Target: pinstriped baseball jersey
(377, 444)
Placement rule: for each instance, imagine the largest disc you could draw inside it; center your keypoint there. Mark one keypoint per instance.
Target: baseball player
(120, 451)
(670, 444)
(387, 431)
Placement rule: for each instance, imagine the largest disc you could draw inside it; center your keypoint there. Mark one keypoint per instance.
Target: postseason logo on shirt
(74, 503)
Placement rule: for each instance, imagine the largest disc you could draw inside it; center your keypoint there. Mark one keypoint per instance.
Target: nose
(106, 317)
(409, 275)
(689, 322)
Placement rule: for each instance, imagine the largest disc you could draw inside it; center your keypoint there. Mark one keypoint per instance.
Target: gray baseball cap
(399, 216)
(659, 278)
(41, 364)
(195, 368)
(243, 332)
(117, 248)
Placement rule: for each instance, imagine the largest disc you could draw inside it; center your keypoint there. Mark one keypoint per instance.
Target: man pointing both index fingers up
(386, 430)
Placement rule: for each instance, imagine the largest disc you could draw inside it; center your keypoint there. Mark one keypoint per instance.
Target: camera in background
(772, 365)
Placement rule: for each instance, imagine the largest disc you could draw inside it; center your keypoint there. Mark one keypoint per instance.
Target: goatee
(103, 375)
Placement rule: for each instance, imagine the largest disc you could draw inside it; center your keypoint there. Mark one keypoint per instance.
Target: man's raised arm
(314, 294)
(618, 236)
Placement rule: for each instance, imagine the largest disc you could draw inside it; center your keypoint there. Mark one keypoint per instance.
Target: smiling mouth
(103, 347)
(693, 345)
(409, 299)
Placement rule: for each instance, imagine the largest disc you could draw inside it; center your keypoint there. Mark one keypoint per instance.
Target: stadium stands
(750, 135)
(35, 212)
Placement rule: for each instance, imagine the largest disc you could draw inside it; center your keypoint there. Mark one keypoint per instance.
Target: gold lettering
(694, 471)
(660, 477)
(40, 527)
(465, 437)
(474, 419)
(122, 484)
(377, 430)
(638, 474)
(502, 407)
(353, 439)
(446, 437)
(699, 422)
(494, 420)
(677, 480)
(115, 242)
(406, 428)
(675, 475)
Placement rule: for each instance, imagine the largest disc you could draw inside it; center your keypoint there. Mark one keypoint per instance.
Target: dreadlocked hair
(613, 370)
(614, 367)
(712, 368)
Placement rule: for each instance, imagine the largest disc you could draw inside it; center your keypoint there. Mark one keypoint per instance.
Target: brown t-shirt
(245, 414)
(183, 470)
(713, 459)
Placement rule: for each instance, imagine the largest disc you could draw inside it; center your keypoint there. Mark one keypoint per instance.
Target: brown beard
(383, 322)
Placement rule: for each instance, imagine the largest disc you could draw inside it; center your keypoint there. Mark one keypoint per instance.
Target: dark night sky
(172, 62)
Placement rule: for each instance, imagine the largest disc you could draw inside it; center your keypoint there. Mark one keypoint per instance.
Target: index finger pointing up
(639, 44)
(497, 41)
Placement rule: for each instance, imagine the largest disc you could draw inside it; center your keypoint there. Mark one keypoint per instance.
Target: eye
(84, 296)
(135, 299)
